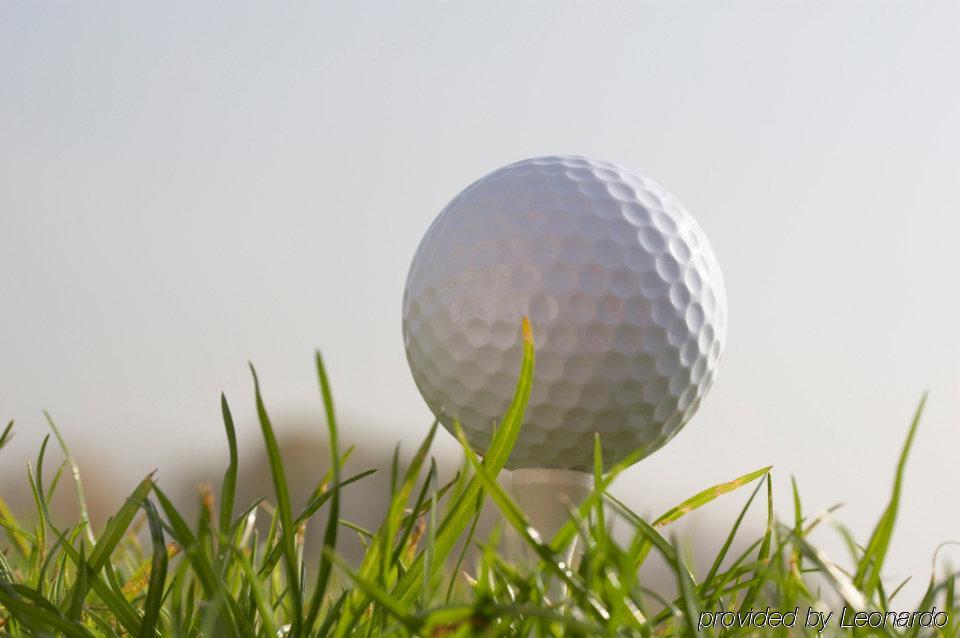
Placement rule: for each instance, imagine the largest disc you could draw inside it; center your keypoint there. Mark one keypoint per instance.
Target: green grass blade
(330, 533)
(40, 550)
(81, 588)
(117, 526)
(287, 529)
(598, 515)
(6, 435)
(688, 596)
(794, 582)
(321, 499)
(36, 485)
(229, 487)
(925, 603)
(518, 520)
(77, 481)
(158, 574)
(868, 571)
(431, 534)
(402, 495)
(56, 480)
(763, 553)
(903, 584)
(410, 522)
(463, 550)
(463, 509)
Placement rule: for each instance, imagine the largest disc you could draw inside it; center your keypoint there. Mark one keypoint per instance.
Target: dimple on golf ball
(623, 291)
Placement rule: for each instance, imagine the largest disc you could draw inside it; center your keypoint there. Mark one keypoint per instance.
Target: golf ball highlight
(623, 291)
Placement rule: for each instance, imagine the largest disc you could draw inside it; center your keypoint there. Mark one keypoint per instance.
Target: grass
(149, 572)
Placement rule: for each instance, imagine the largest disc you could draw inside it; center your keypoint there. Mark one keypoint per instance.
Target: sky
(184, 189)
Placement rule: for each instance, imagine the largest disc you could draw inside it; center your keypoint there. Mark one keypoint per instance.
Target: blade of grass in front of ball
(518, 520)
(462, 511)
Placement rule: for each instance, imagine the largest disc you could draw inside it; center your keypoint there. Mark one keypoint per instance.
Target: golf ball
(622, 289)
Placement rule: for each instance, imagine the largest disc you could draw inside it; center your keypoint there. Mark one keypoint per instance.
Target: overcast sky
(184, 188)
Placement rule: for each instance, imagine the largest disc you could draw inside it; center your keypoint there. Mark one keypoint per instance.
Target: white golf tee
(546, 497)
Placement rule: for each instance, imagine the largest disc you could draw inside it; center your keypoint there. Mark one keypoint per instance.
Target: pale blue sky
(185, 188)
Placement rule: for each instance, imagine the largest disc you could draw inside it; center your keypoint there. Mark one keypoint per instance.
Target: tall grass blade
(690, 604)
(158, 574)
(6, 435)
(516, 518)
(598, 515)
(763, 553)
(868, 571)
(81, 588)
(229, 487)
(77, 481)
(117, 526)
(403, 546)
(463, 509)
(330, 534)
(287, 531)
(431, 534)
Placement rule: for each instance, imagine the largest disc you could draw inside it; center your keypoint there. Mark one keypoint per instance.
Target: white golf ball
(622, 289)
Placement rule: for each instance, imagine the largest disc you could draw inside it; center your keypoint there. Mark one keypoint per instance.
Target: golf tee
(546, 496)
